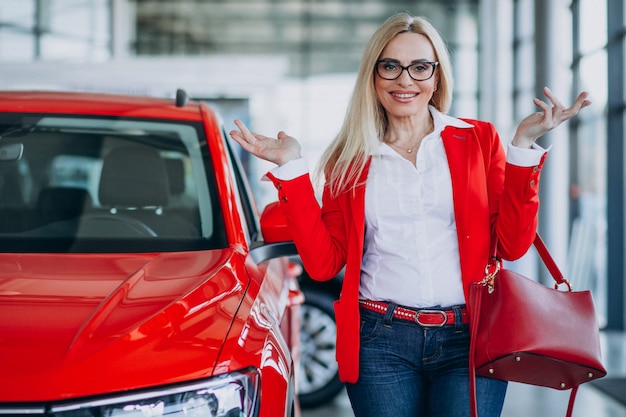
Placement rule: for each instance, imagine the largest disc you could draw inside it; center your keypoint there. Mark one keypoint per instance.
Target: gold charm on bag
(491, 270)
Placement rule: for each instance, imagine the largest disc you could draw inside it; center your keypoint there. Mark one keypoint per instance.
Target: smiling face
(404, 97)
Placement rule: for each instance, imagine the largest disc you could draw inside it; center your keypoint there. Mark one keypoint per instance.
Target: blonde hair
(365, 122)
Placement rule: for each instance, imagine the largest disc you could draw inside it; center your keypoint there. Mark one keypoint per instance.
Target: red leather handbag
(525, 332)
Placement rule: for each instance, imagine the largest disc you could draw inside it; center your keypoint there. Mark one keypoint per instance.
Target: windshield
(88, 184)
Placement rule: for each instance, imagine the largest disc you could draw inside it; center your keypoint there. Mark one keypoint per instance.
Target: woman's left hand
(537, 124)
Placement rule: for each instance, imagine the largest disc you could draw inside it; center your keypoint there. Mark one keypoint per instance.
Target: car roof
(103, 104)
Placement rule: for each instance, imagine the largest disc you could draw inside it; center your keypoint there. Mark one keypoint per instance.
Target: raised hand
(552, 115)
(279, 151)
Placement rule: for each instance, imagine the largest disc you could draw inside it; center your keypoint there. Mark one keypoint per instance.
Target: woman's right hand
(279, 151)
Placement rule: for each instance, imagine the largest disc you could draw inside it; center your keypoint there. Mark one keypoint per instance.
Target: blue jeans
(412, 371)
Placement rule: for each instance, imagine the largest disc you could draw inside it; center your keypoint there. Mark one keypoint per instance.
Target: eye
(421, 67)
(388, 66)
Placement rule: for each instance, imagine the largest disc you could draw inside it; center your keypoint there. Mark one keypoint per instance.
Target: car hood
(82, 324)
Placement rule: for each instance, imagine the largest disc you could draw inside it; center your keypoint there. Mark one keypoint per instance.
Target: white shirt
(411, 254)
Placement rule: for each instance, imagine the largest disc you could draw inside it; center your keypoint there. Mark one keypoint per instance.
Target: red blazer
(489, 194)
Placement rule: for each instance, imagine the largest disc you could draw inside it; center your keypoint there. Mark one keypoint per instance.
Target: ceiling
(318, 37)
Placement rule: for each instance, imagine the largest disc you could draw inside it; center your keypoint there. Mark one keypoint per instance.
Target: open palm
(538, 124)
(279, 151)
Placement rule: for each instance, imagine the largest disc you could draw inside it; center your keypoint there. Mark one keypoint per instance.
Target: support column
(123, 29)
(552, 58)
(496, 55)
(615, 167)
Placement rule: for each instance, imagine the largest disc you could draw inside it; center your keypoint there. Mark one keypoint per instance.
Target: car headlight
(231, 395)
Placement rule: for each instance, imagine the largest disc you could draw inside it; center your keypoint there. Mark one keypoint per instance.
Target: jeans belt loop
(458, 319)
(388, 318)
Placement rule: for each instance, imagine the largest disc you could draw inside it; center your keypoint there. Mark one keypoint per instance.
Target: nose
(405, 79)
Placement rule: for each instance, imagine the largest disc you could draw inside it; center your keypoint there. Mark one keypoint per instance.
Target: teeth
(404, 95)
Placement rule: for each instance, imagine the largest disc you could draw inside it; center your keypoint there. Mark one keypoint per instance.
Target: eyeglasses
(419, 71)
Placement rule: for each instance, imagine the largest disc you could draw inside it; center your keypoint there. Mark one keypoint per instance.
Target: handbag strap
(550, 263)
(475, 301)
(474, 311)
(545, 256)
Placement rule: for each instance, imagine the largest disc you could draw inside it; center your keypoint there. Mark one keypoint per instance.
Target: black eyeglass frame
(434, 64)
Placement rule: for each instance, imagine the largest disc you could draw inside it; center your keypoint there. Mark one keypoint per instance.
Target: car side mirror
(277, 239)
(274, 224)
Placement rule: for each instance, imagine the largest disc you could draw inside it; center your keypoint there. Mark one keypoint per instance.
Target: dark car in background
(319, 376)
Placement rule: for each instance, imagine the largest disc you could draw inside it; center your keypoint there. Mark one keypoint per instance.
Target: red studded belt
(425, 318)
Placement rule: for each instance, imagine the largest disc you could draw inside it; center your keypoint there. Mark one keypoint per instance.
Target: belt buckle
(442, 313)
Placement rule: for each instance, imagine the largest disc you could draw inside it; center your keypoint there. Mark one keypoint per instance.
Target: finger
(553, 99)
(238, 137)
(243, 136)
(580, 103)
(560, 113)
(540, 103)
(545, 107)
(282, 135)
(245, 133)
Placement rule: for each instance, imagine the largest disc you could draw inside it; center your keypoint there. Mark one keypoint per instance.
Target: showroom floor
(524, 400)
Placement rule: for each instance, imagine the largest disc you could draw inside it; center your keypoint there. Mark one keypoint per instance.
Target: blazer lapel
(457, 143)
(354, 210)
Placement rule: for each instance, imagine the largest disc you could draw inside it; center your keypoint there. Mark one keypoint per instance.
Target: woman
(411, 201)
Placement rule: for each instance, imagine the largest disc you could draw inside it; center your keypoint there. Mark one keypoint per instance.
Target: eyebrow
(415, 61)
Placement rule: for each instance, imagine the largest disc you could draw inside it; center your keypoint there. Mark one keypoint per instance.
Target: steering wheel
(113, 225)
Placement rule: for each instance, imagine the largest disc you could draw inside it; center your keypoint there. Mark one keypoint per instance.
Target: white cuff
(290, 170)
(525, 157)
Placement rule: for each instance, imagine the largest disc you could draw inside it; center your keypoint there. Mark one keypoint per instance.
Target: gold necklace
(409, 150)
(412, 148)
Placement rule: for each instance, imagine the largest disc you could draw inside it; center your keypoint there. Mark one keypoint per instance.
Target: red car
(136, 279)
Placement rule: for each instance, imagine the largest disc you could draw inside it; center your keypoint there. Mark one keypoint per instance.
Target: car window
(71, 183)
(245, 195)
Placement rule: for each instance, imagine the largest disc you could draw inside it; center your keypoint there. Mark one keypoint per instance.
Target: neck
(408, 136)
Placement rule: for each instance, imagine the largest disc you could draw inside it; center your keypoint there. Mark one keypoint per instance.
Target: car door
(277, 275)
